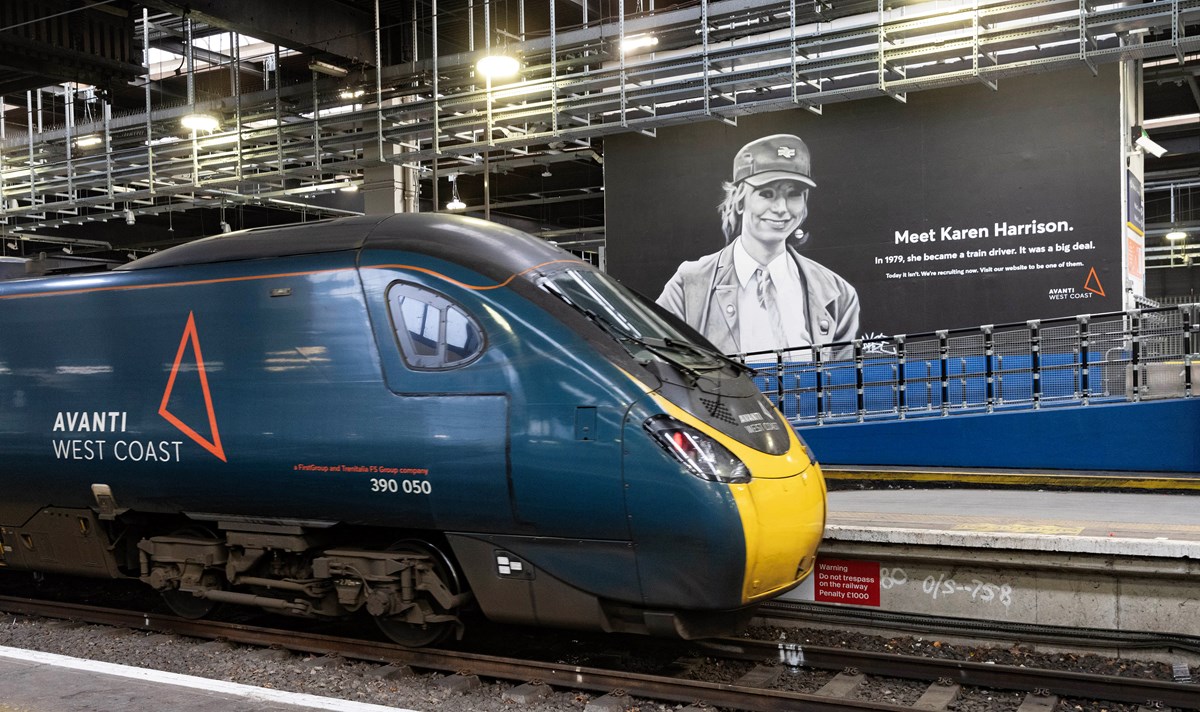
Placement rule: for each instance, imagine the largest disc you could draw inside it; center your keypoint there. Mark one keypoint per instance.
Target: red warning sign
(846, 581)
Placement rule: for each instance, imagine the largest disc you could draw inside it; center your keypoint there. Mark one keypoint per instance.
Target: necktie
(768, 299)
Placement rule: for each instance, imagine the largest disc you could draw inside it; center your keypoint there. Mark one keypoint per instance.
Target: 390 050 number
(387, 485)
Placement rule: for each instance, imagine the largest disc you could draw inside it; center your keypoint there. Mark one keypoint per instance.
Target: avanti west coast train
(412, 415)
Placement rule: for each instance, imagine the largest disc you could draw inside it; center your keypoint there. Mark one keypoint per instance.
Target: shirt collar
(746, 266)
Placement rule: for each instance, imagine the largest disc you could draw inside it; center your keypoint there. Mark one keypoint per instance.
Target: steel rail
(566, 676)
(1009, 677)
(1091, 686)
(805, 612)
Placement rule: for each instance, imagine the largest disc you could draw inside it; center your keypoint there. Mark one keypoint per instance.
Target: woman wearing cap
(759, 293)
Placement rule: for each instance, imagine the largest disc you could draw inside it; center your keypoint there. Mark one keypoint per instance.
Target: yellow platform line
(1108, 480)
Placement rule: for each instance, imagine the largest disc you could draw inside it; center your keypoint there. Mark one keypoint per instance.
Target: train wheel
(183, 603)
(419, 635)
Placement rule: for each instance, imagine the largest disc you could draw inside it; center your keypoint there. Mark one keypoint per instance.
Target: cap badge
(786, 152)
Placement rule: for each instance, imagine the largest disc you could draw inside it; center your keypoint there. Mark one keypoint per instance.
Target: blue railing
(1114, 357)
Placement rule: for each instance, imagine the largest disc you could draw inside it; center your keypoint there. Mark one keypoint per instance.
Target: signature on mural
(878, 343)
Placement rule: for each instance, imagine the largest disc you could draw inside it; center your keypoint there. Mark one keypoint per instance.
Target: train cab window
(432, 331)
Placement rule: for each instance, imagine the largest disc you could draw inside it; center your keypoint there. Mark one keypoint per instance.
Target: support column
(1133, 231)
(389, 188)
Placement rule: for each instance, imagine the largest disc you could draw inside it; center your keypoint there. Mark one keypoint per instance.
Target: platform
(1112, 561)
(845, 476)
(45, 682)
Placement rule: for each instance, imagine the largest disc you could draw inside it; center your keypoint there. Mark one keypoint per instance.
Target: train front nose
(779, 499)
(717, 524)
(783, 517)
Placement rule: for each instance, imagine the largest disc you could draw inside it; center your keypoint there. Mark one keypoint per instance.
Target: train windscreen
(639, 324)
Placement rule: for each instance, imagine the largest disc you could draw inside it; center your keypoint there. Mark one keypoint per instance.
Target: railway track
(765, 664)
(803, 613)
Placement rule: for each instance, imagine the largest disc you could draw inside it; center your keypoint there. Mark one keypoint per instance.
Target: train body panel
(242, 439)
(401, 415)
(557, 417)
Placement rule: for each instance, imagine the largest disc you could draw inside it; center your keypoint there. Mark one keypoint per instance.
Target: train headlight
(703, 456)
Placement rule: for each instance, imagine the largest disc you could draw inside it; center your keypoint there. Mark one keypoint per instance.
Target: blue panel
(966, 384)
(1157, 436)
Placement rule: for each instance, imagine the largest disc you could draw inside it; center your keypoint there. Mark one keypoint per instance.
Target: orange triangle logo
(1093, 283)
(190, 337)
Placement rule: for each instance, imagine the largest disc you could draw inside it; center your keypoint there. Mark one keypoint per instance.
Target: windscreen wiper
(697, 348)
(622, 335)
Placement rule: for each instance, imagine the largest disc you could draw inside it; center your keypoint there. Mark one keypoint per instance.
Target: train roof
(488, 248)
(265, 242)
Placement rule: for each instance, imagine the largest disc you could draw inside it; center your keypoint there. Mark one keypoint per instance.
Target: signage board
(846, 581)
(963, 206)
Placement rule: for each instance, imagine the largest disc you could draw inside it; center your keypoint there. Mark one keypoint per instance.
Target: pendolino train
(413, 415)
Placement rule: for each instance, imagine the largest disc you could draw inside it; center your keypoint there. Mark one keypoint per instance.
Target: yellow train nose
(783, 519)
(781, 507)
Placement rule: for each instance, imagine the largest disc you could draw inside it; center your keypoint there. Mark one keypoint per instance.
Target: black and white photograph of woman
(759, 293)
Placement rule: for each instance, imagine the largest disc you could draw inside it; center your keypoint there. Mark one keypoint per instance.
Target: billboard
(963, 206)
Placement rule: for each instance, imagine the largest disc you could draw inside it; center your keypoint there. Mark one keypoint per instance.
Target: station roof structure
(309, 98)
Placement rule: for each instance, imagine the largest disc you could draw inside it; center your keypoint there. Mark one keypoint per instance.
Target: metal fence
(1115, 357)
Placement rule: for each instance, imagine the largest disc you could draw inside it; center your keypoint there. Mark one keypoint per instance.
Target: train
(420, 418)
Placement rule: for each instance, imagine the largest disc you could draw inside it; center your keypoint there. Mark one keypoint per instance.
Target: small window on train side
(432, 331)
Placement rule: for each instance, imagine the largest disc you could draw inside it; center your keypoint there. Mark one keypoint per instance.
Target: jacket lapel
(723, 316)
(821, 295)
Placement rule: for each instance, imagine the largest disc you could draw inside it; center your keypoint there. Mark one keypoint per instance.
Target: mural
(961, 207)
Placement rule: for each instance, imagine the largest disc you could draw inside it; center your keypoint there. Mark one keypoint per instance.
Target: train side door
(451, 418)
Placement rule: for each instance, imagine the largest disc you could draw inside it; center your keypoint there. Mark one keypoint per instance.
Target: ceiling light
(1176, 235)
(129, 218)
(630, 44)
(326, 68)
(546, 173)
(67, 249)
(456, 202)
(200, 122)
(12, 245)
(349, 188)
(87, 141)
(219, 140)
(498, 66)
(351, 93)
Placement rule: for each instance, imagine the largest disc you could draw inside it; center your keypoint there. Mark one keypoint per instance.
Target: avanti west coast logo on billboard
(104, 435)
(1091, 287)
